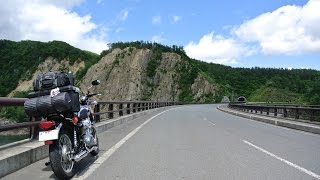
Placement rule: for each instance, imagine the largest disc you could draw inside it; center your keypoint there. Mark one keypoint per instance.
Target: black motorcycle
(70, 139)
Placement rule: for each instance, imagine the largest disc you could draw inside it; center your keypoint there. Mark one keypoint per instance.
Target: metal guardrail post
(297, 113)
(110, 114)
(134, 107)
(275, 112)
(128, 108)
(285, 113)
(34, 130)
(120, 107)
(96, 110)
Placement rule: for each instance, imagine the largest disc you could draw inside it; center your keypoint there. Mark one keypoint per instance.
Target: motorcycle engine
(87, 132)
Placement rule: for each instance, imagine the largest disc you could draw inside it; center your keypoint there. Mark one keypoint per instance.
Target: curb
(277, 122)
(22, 155)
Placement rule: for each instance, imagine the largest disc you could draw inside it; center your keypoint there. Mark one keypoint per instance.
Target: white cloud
(60, 3)
(217, 49)
(156, 20)
(158, 38)
(118, 30)
(176, 19)
(288, 30)
(50, 20)
(123, 15)
(99, 1)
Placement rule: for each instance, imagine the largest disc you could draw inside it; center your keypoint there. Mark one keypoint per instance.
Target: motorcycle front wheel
(60, 156)
(95, 152)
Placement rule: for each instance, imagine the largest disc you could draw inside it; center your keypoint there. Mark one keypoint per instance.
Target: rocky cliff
(50, 64)
(125, 76)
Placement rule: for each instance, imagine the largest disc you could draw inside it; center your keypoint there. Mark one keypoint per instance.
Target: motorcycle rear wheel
(60, 157)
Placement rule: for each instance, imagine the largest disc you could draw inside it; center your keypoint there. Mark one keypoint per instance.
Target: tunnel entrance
(242, 99)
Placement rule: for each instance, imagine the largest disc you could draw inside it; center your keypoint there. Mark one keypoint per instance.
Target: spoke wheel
(66, 148)
(60, 156)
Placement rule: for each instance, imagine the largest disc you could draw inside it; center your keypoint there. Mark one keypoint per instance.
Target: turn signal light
(75, 120)
(46, 125)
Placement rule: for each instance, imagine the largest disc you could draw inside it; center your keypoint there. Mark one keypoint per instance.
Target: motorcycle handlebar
(94, 94)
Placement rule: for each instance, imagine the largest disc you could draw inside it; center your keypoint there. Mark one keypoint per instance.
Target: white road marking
(102, 158)
(208, 121)
(285, 161)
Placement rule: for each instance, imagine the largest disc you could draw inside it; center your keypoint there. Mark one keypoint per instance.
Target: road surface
(196, 142)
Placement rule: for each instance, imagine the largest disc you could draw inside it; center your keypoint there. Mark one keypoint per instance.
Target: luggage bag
(41, 103)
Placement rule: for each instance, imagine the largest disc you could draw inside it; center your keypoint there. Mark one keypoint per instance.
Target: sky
(246, 33)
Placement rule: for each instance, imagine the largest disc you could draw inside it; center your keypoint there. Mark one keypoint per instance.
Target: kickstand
(47, 163)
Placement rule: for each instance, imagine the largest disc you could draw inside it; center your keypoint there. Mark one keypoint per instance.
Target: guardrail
(311, 113)
(114, 108)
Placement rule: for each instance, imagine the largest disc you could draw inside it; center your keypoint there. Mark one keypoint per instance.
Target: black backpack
(51, 80)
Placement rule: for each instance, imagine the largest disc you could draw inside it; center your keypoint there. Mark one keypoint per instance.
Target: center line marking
(285, 161)
(209, 121)
(102, 158)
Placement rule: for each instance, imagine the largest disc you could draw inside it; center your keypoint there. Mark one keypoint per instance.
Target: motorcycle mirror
(95, 82)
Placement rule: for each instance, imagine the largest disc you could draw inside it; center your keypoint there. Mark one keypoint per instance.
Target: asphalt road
(196, 142)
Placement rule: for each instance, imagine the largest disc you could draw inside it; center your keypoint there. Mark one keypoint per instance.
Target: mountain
(150, 71)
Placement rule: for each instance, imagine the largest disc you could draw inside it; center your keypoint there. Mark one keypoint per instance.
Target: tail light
(75, 120)
(46, 125)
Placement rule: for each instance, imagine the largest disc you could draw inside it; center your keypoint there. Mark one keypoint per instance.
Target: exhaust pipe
(78, 157)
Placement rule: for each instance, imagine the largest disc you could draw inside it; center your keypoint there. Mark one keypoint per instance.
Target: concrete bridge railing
(104, 110)
(295, 112)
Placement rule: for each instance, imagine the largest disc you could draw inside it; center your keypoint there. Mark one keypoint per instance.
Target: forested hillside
(267, 84)
(19, 60)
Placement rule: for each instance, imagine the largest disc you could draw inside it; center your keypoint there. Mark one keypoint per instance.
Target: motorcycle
(71, 139)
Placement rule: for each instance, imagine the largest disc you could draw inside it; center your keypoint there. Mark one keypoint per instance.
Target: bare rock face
(121, 74)
(165, 79)
(123, 77)
(202, 88)
(49, 64)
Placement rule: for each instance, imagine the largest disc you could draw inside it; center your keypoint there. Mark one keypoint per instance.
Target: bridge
(196, 142)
